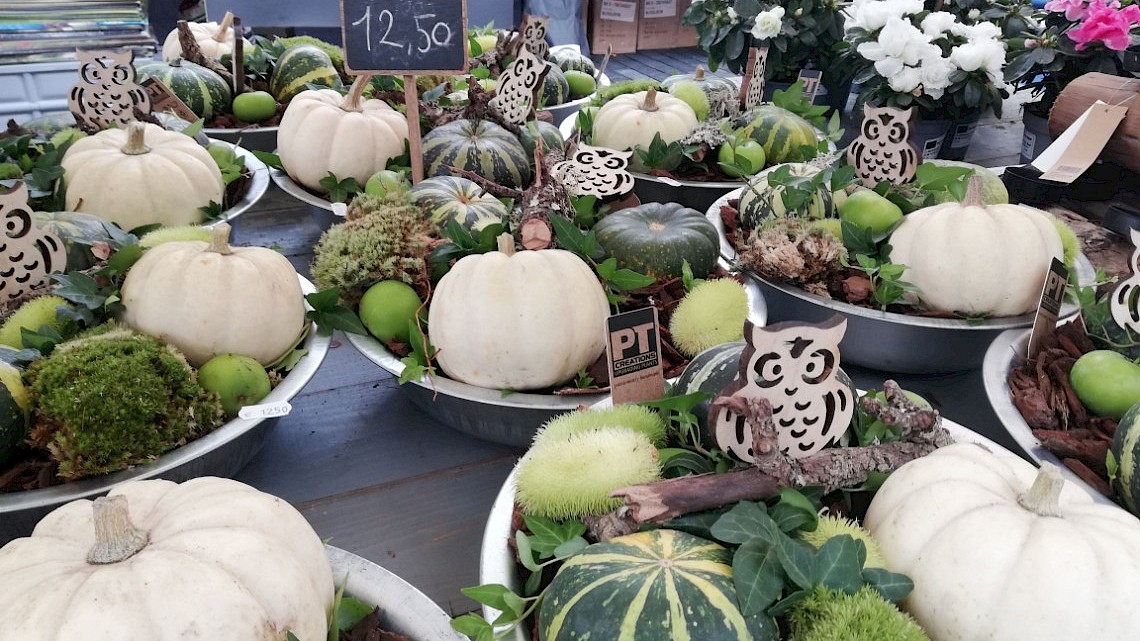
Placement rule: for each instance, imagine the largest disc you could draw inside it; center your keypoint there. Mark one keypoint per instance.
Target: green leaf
(867, 263)
(80, 289)
(698, 524)
(289, 362)
(570, 548)
(122, 260)
(413, 370)
(762, 627)
(785, 605)
(494, 595)
(270, 159)
(746, 521)
(1111, 465)
(340, 191)
(677, 461)
(622, 279)
(324, 299)
(548, 535)
(330, 315)
(194, 128)
(757, 575)
(838, 564)
(891, 271)
(687, 279)
(585, 244)
(797, 558)
(526, 554)
(471, 624)
(892, 586)
(289, 636)
(794, 511)
(351, 612)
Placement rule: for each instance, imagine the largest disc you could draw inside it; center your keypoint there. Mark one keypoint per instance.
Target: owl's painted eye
(817, 366)
(872, 129)
(92, 74)
(897, 133)
(769, 371)
(120, 74)
(614, 163)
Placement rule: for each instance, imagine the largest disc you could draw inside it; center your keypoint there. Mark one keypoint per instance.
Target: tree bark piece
(192, 52)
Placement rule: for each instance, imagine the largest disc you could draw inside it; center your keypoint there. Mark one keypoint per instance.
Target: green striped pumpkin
(568, 59)
(1126, 451)
(551, 137)
(445, 198)
(301, 65)
(555, 87)
(203, 91)
(658, 585)
(710, 371)
(761, 200)
(479, 146)
(782, 133)
(13, 411)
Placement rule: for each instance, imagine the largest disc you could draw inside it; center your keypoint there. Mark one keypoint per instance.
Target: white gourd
(209, 559)
(322, 131)
(525, 320)
(209, 298)
(215, 39)
(1000, 550)
(632, 120)
(141, 175)
(976, 259)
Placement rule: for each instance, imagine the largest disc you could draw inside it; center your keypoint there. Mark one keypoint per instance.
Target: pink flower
(1074, 9)
(1105, 23)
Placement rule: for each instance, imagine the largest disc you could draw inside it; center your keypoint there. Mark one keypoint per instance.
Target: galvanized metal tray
(322, 212)
(255, 138)
(1008, 349)
(220, 453)
(887, 341)
(258, 183)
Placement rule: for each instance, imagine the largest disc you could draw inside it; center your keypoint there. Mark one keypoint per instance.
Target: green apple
(1106, 382)
(386, 308)
(385, 182)
(865, 208)
(749, 153)
(254, 106)
(581, 83)
(222, 153)
(238, 380)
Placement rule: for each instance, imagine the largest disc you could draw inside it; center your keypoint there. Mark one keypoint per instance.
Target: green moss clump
(382, 238)
(829, 615)
(335, 53)
(106, 401)
(605, 94)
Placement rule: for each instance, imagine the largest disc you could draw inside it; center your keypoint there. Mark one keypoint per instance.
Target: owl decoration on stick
(517, 93)
(107, 94)
(534, 35)
(27, 254)
(752, 86)
(883, 150)
(795, 367)
(595, 171)
(1125, 303)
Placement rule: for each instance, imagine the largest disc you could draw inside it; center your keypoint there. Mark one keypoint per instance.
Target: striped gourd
(555, 87)
(202, 90)
(13, 411)
(479, 146)
(1126, 451)
(782, 133)
(455, 198)
(659, 585)
(761, 200)
(551, 137)
(710, 371)
(299, 66)
(568, 59)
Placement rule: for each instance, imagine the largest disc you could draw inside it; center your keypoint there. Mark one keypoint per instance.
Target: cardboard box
(613, 22)
(657, 24)
(686, 35)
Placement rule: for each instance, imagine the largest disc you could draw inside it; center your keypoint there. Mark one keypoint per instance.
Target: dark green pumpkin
(658, 585)
(445, 198)
(299, 66)
(479, 146)
(203, 91)
(706, 82)
(1126, 450)
(551, 137)
(13, 417)
(555, 87)
(656, 238)
(568, 59)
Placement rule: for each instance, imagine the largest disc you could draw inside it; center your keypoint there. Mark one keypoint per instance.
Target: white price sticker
(268, 410)
(659, 9)
(619, 11)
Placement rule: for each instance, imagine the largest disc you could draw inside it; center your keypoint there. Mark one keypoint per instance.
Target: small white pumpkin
(215, 39)
(977, 259)
(519, 321)
(209, 558)
(141, 175)
(632, 120)
(209, 298)
(324, 132)
(1000, 550)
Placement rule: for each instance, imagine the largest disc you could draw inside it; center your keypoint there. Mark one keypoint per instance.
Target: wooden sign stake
(412, 113)
(752, 85)
(633, 348)
(238, 58)
(1052, 295)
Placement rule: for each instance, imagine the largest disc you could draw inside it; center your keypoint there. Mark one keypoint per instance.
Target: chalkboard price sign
(406, 36)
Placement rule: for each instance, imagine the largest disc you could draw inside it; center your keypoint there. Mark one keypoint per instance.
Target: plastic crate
(31, 90)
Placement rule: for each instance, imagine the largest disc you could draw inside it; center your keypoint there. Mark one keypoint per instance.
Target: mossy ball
(826, 615)
(32, 315)
(712, 313)
(573, 477)
(634, 417)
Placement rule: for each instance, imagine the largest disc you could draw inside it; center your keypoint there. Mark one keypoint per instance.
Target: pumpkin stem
(136, 139)
(116, 538)
(220, 239)
(975, 193)
(699, 74)
(353, 99)
(650, 102)
(1044, 496)
(506, 244)
(224, 26)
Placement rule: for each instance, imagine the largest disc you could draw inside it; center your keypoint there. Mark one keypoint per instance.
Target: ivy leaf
(42, 340)
(270, 159)
(687, 279)
(526, 554)
(350, 612)
(79, 288)
(340, 191)
(746, 521)
(797, 559)
(470, 624)
(622, 279)
(497, 596)
(857, 239)
(893, 587)
(547, 536)
(762, 627)
(661, 155)
(786, 604)
(676, 461)
(698, 524)
(413, 370)
(289, 362)
(570, 548)
(330, 315)
(122, 260)
(757, 575)
(838, 564)
(585, 244)
(794, 511)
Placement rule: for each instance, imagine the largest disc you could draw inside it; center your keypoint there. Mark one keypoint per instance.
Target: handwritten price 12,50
(438, 36)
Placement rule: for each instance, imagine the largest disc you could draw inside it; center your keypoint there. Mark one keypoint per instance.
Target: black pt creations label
(633, 343)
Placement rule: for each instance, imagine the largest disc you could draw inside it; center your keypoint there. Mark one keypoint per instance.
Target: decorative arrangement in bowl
(91, 396)
(926, 288)
(645, 542)
(208, 566)
(1072, 402)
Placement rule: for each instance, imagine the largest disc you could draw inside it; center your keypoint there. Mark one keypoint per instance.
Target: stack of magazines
(46, 31)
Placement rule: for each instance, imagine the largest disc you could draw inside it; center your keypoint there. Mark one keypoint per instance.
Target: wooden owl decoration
(107, 93)
(595, 171)
(534, 35)
(752, 86)
(27, 254)
(517, 93)
(794, 366)
(1125, 303)
(883, 150)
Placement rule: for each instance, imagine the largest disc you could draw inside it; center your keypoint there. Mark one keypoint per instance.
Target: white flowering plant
(798, 33)
(907, 56)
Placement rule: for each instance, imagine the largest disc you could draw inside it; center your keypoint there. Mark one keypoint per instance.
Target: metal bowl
(322, 212)
(220, 453)
(1004, 353)
(486, 413)
(255, 138)
(497, 561)
(888, 341)
(258, 183)
(403, 609)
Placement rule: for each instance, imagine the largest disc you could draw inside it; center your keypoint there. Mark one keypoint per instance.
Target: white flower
(979, 54)
(982, 31)
(901, 39)
(906, 80)
(768, 23)
(732, 15)
(973, 14)
(888, 67)
(936, 72)
(937, 23)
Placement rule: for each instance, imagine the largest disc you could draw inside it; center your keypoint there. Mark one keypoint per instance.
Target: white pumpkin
(519, 321)
(976, 259)
(159, 561)
(322, 131)
(141, 175)
(632, 120)
(998, 550)
(215, 39)
(209, 298)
